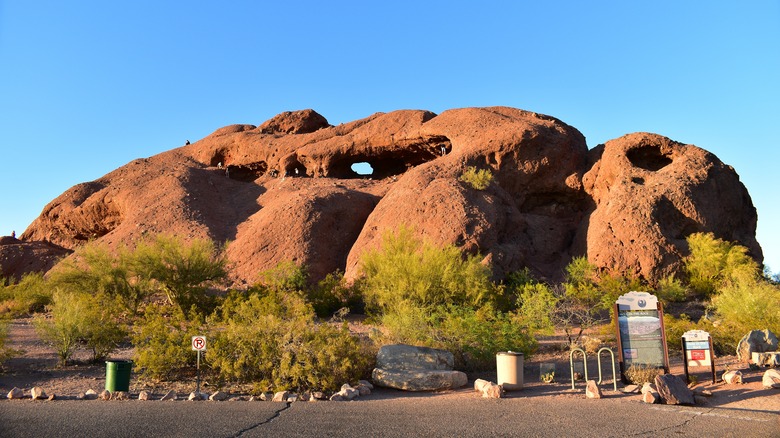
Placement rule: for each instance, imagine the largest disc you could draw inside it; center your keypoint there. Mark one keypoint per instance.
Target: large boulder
(757, 341)
(413, 368)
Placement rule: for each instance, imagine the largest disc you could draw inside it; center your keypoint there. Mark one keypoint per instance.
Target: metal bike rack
(584, 364)
(612, 354)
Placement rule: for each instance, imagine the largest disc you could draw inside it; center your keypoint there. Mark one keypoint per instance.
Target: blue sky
(87, 86)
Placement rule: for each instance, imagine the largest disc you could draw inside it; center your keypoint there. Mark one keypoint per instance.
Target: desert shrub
(6, 352)
(670, 289)
(638, 374)
(98, 270)
(408, 269)
(714, 263)
(744, 306)
(536, 308)
(675, 327)
(332, 294)
(162, 339)
(478, 179)
(271, 338)
(62, 329)
(30, 295)
(76, 318)
(183, 271)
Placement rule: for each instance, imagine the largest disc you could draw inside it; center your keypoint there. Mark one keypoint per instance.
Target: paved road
(422, 415)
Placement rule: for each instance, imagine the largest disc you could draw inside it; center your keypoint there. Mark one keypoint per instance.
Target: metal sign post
(198, 344)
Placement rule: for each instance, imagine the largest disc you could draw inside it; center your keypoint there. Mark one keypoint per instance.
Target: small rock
(281, 396)
(651, 397)
(345, 386)
(170, 395)
(480, 384)
(253, 398)
(337, 397)
(648, 387)
(37, 393)
(105, 395)
(267, 396)
(732, 377)
(349, 393)
(771, 379)
(143, 395)
(15, 393)
(219, 396)
(491, 390)
(592, 390)
(90, 395)
(630, 389)
(291, 398)
(318, 395)
(120, 395)
(195, 396)
(366, 383)
(306, 396)
(51, 397)
(578, 376)
(364, 390)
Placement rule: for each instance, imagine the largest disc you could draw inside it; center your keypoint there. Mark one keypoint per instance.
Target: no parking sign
(199, 343)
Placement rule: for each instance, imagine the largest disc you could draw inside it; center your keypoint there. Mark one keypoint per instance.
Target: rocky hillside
(285, 190)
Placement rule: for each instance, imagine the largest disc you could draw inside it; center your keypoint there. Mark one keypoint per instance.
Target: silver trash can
(509, 365)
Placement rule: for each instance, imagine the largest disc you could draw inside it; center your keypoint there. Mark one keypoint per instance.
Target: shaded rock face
(286, 190)
(18, 257)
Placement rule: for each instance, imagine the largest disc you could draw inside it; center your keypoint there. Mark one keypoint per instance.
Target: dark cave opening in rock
(388, 162)
(648, 158)
(246, 172)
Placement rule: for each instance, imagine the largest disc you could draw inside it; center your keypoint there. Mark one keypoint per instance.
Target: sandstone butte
(286, 191)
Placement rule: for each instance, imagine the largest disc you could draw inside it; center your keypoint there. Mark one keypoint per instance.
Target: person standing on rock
(13, 234)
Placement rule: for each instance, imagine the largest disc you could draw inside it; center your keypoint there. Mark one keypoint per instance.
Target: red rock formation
(286, 191)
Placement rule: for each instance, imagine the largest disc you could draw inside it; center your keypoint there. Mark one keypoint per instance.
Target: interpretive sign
(697, 351)
(640, 331)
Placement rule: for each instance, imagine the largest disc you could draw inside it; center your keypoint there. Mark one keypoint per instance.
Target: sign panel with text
(640, 331)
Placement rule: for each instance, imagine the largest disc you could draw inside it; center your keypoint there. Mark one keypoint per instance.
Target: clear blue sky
(87, 86)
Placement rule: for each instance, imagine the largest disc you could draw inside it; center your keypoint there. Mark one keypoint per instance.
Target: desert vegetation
(286, 331)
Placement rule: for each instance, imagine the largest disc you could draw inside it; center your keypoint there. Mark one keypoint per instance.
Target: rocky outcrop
(757, 341)
(18, 257)
(286, 190)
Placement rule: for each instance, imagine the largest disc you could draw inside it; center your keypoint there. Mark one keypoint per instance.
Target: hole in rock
(648, 158)
(362, 168)
(246, 172)
(389, 161)
(638, 180)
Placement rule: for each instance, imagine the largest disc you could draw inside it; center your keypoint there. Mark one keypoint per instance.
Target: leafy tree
(183, 271)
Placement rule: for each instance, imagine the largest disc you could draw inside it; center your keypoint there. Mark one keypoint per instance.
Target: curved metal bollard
(612, 354)
(584, 364)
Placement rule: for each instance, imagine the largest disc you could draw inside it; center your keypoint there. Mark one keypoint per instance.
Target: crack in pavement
(694, 415)
(273, 417)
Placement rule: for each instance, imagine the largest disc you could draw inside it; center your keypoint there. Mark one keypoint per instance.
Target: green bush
(670, 289)
(80, 318)
(162, 339)
(408, 269)
(183, 271)
(96, 270)
(714, 263)
(745, 306)
(271, 338)
(63, 329)
(30, 295)
(638, 374)
(6, 352)
(477, 179)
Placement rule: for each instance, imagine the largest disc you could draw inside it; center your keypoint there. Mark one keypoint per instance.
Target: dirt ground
(37, 366)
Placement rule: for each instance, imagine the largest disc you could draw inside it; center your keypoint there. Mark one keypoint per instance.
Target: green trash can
(118, 375)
